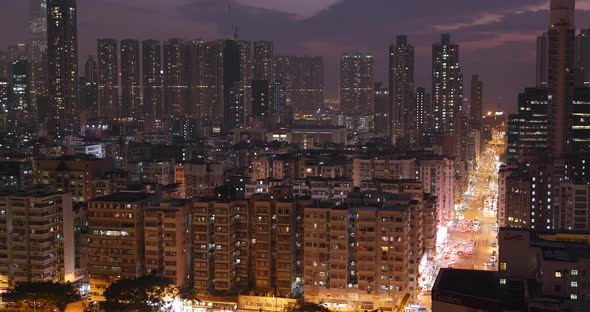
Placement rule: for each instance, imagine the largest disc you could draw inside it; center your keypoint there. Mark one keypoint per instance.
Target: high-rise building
(476, 101)
(21, 89)
(233, 110)
(116, 242)
(108, 78)
(356, 84)
(423, 118)
(47, 252)
(401, 86)
(447, 85)
(542, 59)
(382, 122)
(278, 102)
(583, 58)
(174, 79)
(214, 83)
(152, 79)
(62, 55)
(130, 81)
(72, 175)
(168, 248)
(260, 99)
(263, 61)
(560, 78)
(346, 262)
(195, 67)
(89, 89)
(245, 48)
(38, 29)
(4, 97)
(303, 78)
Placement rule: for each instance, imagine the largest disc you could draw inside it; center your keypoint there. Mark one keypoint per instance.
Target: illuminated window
(502, 281)
(557, 274)
(574, 284)
(574, 272)
(503, 266)
(573, 296)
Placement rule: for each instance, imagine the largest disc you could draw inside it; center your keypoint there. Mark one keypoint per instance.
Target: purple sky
(497, 37)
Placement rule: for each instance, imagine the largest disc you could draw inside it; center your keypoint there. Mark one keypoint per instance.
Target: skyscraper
(278, 103)
(195, 66)
(356, 84)
(382, 109)
(583, 58)
(263, 61)
(38, 28)
(401, 86)
(213, 107)
(62, 54)
(108, 78)
(246, 74)
(303, 80)
(130, 83)
(560, 78)
(21, 88)
(89, 89)
(233, 110)
(152, 78)
(260, 99)
(447, 85)
(174, 79)
(476, 102)
(422, 112)
(542, 59)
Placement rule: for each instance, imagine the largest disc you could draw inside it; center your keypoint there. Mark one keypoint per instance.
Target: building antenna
(231, 19)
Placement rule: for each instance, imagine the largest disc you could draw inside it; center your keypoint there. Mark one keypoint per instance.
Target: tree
(143, 294)
(57, 295)
(306, 306)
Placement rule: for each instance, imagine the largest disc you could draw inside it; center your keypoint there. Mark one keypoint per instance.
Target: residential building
(37, 240)
(116, 247)
(108, 78)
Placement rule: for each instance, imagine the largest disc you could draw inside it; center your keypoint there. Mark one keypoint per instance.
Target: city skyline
(483, 30)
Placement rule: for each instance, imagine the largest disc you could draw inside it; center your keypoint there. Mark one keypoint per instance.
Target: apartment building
(159, 172)
(116, 239)
(201, 177)
(71, 174)
(358, 257)
(437, 175)
(37, 241)
(168, 241)
(545, 269)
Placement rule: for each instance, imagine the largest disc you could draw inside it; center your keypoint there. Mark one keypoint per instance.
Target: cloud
(484, 19)
(496, 40)
(298, 8)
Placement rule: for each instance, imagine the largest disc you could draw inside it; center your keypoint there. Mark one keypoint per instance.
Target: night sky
(497, 37)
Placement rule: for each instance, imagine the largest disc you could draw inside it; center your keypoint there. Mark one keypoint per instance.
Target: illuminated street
(470, 241)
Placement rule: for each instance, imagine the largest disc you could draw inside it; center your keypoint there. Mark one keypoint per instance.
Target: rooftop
(122, 197)
(472, 283)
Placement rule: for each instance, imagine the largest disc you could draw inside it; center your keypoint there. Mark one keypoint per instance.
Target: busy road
(469, 241)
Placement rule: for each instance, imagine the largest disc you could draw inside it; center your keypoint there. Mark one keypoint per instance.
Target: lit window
(574, 284)
(502, 281)
(503, 266)
(557, 274)
(574, 272)
(573, 296)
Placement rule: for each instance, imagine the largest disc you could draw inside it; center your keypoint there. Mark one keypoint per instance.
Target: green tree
(306, 306)
(57, 295)
(143, 294)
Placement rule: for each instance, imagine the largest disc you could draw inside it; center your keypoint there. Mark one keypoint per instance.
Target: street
(470, 240)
